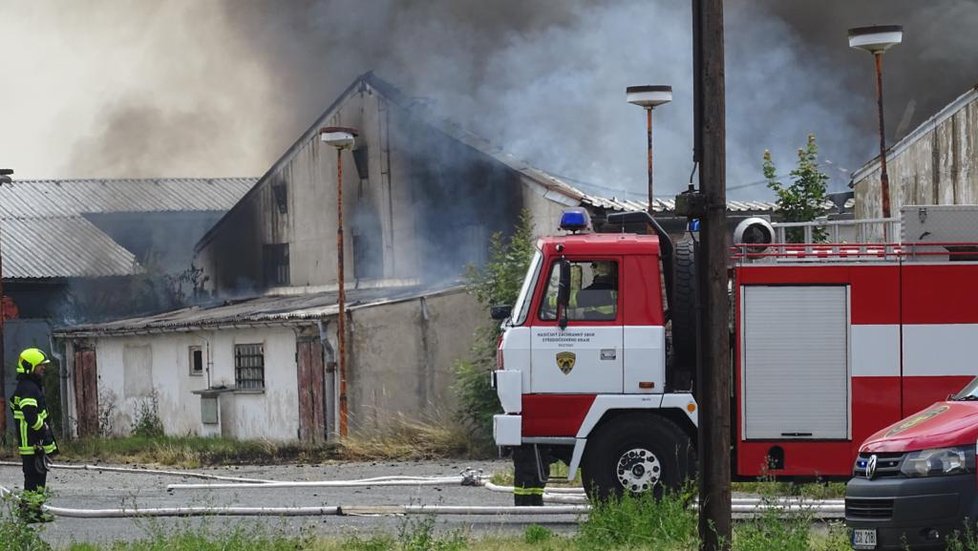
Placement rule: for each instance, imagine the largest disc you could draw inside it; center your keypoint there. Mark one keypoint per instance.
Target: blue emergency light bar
(575, 219)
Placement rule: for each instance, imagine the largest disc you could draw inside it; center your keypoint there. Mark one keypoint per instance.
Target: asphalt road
(85, 489)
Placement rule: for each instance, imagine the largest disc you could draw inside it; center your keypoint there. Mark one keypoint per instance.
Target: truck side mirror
(563, 292)
(500, 312)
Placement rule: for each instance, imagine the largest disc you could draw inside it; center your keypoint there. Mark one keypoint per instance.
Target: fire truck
(830, 342)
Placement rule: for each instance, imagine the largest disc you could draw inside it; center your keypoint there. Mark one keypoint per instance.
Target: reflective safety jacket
(31, 414)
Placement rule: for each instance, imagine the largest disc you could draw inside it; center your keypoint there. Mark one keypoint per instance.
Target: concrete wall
(937, 167)
(164, 366)
(402, 357)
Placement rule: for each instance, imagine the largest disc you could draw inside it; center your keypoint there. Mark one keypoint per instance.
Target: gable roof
(44, 233)
(410, 105)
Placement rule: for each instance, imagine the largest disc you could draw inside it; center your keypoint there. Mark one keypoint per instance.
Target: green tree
(804, 198)
(498, 282)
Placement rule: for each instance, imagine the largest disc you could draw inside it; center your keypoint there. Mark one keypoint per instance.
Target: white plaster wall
(269, 414)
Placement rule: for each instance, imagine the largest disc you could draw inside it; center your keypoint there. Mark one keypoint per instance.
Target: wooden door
(86, 392)
(312, 410)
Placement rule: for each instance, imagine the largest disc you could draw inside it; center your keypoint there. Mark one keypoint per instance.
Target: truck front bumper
(916, 512)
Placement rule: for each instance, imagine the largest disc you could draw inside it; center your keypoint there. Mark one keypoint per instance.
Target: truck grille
(868, 508)
(887, 465)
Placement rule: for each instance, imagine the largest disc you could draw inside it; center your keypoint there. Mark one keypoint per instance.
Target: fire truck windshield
(522, 305)
(968, 393)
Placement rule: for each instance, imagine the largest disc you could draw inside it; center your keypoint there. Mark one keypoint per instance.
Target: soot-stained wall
(418, 204)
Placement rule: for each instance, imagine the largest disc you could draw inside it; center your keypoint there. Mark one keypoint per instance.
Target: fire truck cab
(829, 343)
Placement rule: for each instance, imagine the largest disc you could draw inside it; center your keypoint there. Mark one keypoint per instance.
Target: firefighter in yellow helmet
(35, 441)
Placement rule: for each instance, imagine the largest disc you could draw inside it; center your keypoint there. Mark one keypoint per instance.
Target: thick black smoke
(543, 79)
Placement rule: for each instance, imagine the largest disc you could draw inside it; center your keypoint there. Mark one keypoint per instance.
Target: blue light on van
(575, 219)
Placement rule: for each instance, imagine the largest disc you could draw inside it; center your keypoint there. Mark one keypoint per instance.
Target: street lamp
(341, 138)
(876, 40)
(5, 174)
(649, 97)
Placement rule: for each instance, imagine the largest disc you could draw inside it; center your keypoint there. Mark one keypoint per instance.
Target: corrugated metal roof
(39, 198)
(669, 205)
(59, 247)
(253, 311)
(44, 235)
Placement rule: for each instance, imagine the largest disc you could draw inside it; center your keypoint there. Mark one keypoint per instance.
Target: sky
(219, 88)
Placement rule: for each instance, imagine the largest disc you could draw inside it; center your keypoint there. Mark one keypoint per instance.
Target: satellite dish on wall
(754, 231)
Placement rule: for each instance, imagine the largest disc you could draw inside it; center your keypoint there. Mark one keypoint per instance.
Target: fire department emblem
(917, 419)
(565, 361)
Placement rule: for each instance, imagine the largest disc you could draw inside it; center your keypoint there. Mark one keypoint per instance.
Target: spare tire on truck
(637, 453)
(682, 311)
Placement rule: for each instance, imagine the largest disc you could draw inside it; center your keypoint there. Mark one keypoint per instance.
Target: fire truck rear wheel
(637, 453)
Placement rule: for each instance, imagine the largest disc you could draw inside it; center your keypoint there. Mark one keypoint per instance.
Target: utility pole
(713, 369)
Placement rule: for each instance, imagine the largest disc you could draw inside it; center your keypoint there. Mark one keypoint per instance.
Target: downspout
(329, 381)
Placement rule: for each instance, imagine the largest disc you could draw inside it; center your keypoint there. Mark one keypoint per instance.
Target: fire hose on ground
(569, 500)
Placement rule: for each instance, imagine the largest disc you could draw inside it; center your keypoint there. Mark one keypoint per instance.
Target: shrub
(641, 521)
(147, 422)
(15, 533)
(537, 534)
(498, 282)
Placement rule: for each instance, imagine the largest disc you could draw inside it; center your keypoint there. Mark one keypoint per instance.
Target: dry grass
(411, 439)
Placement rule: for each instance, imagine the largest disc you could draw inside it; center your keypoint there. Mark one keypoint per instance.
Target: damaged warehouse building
(421, 198)
(79, 250)
(934, 164)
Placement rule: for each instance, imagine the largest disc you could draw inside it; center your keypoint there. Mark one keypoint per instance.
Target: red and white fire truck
(829, 343)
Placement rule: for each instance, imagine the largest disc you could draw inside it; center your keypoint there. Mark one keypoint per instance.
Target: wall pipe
(330, 382)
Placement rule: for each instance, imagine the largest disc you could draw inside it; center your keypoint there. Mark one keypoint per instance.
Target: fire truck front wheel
(637, 453)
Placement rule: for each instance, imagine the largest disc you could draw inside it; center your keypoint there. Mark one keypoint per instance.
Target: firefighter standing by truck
(35, 442)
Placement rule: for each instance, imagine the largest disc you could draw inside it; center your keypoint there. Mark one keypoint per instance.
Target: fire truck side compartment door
(645, 359)
(795, 362)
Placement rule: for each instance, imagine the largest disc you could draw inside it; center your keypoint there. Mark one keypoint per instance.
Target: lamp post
(876, 40)
(341, 138)
(649, 97)
(5, 174)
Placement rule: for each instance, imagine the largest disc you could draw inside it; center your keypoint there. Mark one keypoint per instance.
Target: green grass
(631, 523)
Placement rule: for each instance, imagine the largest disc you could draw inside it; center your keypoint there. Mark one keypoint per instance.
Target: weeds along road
(83, 489)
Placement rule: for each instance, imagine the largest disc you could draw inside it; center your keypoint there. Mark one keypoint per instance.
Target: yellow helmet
(30, 359)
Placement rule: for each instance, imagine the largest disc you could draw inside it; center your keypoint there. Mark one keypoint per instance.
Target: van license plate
(864, 538)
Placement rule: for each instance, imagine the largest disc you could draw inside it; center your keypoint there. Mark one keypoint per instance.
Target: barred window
(249, 366)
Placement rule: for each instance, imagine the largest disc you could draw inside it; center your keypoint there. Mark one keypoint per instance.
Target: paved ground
(80, 489)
